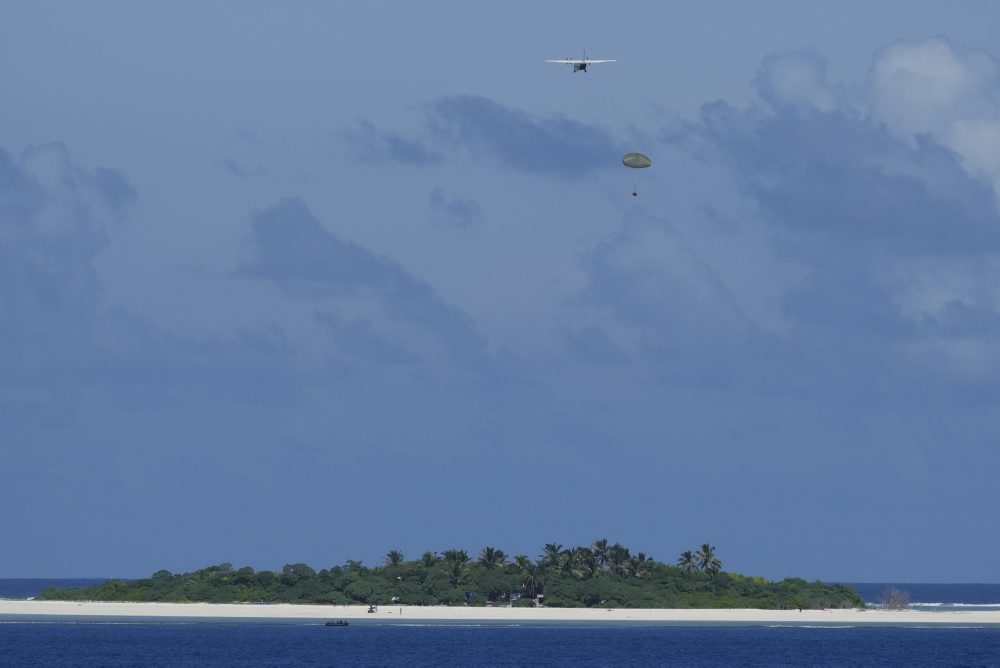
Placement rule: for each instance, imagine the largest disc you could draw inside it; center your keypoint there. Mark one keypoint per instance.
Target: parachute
(636, 161)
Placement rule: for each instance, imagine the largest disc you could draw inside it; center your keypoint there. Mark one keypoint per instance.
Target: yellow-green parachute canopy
(636, 160)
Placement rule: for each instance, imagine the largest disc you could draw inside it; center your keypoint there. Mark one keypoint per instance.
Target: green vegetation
(600, 575)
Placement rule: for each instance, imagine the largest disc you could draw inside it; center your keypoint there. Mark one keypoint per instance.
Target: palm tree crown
(491, 557)
(707, 561)
(551, 556)
(459, 556)
(600, 550)
(687, 562)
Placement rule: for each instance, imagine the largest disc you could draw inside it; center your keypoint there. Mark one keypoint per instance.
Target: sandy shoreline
(55, 610)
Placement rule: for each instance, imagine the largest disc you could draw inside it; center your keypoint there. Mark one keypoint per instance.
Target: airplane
(579, 65)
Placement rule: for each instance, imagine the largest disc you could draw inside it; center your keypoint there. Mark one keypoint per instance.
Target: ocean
(171, 643)
(360, 644)
(925, 596)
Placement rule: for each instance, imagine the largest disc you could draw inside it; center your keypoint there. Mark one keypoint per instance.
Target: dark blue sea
(72, 643)
(936, 596)
(203, 644)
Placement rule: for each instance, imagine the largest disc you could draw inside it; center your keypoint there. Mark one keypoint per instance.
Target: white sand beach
(33, 610)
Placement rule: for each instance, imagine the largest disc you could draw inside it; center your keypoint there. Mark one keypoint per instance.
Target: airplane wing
(580, 61)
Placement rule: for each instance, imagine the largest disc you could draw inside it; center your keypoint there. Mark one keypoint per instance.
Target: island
(601, 575)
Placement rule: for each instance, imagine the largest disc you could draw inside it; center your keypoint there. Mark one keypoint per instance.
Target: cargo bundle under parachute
(636, 161)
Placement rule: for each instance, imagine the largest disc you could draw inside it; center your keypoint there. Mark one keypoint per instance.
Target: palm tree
(429, 558)
(551, 556)
(687, 562)
(600, 549)
(707, 561)
(618, 555)
(394, 558)
(491, 557)
(460, 556)
(571, 559)
(527, 571)
(636, 567)
(458, 571)
(590, 567)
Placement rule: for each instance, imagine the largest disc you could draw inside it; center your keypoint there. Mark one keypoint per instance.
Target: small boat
(336, 622)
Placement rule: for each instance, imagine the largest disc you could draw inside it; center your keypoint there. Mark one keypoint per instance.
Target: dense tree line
(599, 575)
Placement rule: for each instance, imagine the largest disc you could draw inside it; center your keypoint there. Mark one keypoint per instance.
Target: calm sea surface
(57, 643)
(171, 644)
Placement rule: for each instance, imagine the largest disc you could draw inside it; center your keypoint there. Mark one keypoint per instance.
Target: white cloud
(54, 217)
(931, 87)
(926, 86)
(978, 142)
(879, 246)
(796, 80)
(926, 286)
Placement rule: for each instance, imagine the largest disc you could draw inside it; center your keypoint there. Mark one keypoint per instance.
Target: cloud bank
(483, 128)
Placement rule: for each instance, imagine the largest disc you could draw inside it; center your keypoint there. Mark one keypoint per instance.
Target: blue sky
(311, 283)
